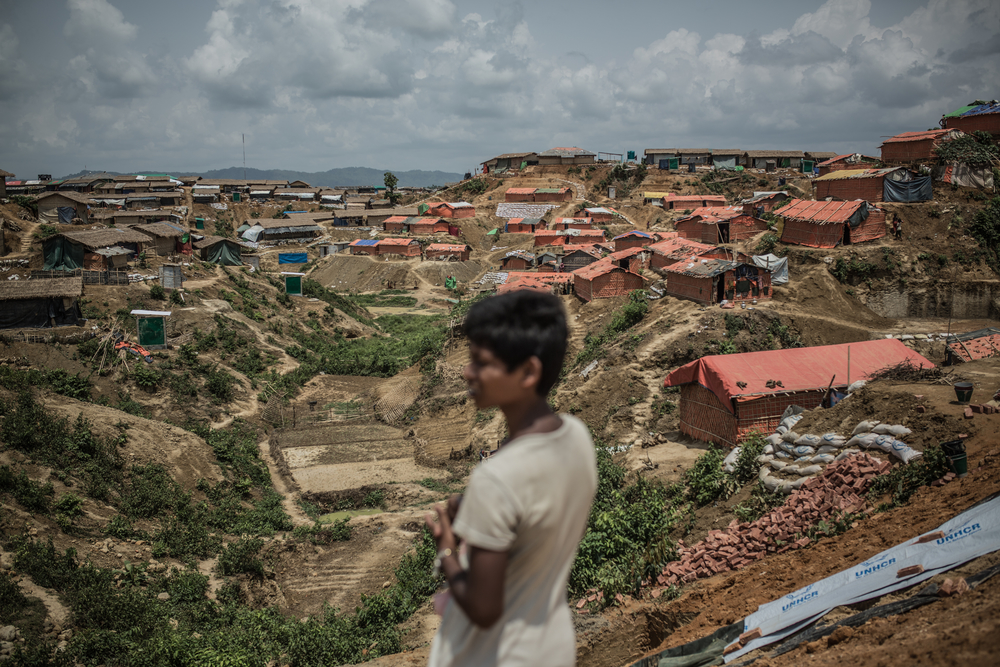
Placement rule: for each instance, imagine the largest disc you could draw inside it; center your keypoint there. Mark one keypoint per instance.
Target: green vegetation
(627, 539)
(759, 336)
(855, 269)
(768, 242)
(474, 186)
(44, 231)
(596, 346)
(976, 148)
(707, 481)
(157, 292)
(903, 481)
(985, 228)
(120, 619)
(386, 298)
(390, 181)
(623, 178)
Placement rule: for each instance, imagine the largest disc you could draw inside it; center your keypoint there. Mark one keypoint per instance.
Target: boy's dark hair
(519, 325)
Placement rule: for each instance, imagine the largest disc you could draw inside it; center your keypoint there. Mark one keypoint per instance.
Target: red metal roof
(520, 191)
(916, 136)
(820, 212)
(596, 269)
(447, 247)
(678, 247)
(396, 218)
(977, 348)
(798, 369)
(628, 252)
(397, 241)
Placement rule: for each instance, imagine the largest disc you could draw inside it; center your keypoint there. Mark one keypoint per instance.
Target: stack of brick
(840, 488)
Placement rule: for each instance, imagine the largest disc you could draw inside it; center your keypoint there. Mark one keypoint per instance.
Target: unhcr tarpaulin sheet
(919, 189)
(800, 369)
(293, 257)
(61, 254)
(778, 267)
(971, 534)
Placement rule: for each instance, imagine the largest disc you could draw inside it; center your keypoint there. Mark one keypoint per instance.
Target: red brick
(909, 571)
(750, 635)
(978, 409)
(732, 647)
(968, 413)
(804, 542)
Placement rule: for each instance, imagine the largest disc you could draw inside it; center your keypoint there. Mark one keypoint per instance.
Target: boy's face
(490, 383)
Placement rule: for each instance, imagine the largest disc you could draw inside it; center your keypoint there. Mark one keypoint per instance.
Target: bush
(157, 292)
(707, 481)
(595, 346)
(242, 558)
(746, 468)
(33, 496)
(768, 242)
(219, 384)
(145, 377)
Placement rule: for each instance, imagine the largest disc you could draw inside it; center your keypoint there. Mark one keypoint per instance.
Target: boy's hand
(453, 503)
(441, 529)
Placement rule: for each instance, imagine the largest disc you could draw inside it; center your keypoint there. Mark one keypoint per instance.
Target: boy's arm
(478, 591)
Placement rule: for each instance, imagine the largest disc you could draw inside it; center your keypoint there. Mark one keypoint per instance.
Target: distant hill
(348, 176)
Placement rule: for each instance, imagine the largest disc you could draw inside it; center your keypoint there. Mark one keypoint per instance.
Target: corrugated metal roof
(845, 174)
(447, 247)
(520, 191)
(678, 248)
(820, 212)
(918, 136)
(599, 268)
(398, 242)
(364, 242)
(702, 268)
(628, 252)
(564, 151)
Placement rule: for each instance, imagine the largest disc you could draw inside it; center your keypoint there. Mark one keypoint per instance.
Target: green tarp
(960, 111)
(450, 282)
(61, 254)
(225, 253)
(293, 285)
(151, 331)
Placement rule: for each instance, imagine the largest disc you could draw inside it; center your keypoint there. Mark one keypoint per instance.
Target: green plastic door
(151, 332)
(293, 285)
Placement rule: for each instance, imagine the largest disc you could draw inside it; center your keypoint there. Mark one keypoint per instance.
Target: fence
(89, 277)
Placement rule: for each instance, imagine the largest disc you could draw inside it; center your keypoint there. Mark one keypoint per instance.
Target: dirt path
(281, 486)
(58, 613)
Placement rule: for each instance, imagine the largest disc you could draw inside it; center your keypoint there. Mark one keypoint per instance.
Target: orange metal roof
(820, 212)
(447, 247)
(520, 191)
(397, 241)
(596, 269)
(916, 136)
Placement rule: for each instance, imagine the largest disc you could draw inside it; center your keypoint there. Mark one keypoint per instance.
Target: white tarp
(777, 265)
(974, 533)
(253, 234)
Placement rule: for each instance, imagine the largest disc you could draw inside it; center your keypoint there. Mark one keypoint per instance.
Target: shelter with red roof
(633, 259)
(461, 252)
(404, 247)
(604, 280)
(363, 246)
(726, 397)
(672, 201)
(827, 224)
(452, 209)
(572, 223)
(709, 281)
(519, 195)
(849, 161)
(716, 224)
(517, 260)
(867, 184)
(632, 239)
(555, 283)
(577, 257)
(568, 236)
(669, 251)
(523, 225)
(915, 146)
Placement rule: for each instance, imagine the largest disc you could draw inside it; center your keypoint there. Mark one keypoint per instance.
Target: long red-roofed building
(915, 146)
(726, 397)
(827, 224)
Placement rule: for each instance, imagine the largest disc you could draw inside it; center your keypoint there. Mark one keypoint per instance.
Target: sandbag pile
(798, 457)
(840, 487)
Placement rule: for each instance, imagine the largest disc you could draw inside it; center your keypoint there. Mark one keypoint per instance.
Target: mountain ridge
(341, 176)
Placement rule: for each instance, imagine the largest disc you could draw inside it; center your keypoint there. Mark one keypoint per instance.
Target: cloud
(416, 84)
(108, 63)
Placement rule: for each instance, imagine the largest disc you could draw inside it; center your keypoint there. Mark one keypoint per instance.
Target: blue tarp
(292, 258)
(919, 189)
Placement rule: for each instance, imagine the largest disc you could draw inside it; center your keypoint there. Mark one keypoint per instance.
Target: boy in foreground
(525, 510)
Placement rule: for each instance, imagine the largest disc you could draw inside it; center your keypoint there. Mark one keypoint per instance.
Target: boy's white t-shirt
(532, 499)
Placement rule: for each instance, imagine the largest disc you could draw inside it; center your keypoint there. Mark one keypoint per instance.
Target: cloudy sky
(130, 85)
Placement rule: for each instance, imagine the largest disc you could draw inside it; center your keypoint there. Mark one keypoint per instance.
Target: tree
(391, 181)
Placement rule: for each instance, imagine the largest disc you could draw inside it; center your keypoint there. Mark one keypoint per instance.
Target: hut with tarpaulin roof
(605, 280)
(910, 147)
(683, 202)
(219, 250)
(449, 251)
(572, 223)
(62, 207)
(364, 247)
(977, 117)
(827, 224)
(404, 247)
(35, 304)
(725, 397)
(632, 239)
(523, 225)
(719, 225)
(669, 251)
(69, 251)
(597, 214)
(452, 210)
(710, 281)
(871, 185)
(568, 236)
(517, 260)
(633, 259)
